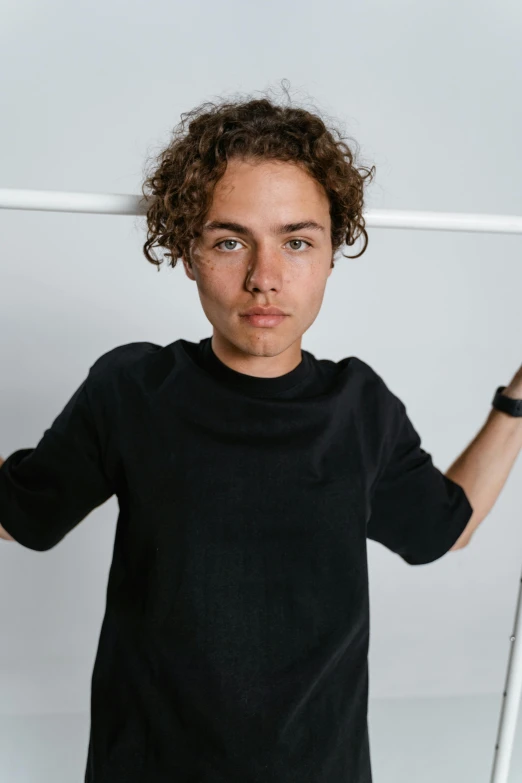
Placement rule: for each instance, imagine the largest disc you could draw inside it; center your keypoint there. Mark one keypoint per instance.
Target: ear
(188, 269)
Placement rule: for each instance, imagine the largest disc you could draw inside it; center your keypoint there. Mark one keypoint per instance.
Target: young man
(249, 476)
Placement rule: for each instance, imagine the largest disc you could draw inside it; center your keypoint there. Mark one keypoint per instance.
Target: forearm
(484, 466)
(5, 535)
(3, 532)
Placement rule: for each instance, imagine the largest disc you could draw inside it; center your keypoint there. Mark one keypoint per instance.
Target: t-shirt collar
(248, 384)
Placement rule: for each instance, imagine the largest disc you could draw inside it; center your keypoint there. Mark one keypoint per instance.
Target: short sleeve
(415, 510)
(47, 490)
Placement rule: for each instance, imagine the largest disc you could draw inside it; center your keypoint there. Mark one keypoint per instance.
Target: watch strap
(507, 404)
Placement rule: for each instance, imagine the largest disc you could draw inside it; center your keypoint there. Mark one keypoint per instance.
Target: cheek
(311, 284)
(216, 285)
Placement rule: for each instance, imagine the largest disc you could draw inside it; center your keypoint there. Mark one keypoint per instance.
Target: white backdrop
(429, 92)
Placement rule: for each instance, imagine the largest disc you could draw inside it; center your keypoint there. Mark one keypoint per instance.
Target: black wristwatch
(507, 404)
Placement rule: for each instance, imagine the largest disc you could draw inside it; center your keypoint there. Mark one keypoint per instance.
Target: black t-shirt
(234, 645)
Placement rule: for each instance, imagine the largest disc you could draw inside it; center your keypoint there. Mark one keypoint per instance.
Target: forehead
(261, 184)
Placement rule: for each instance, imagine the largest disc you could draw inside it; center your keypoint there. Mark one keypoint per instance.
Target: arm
(48, 490)
(483, 467)
(3, 533)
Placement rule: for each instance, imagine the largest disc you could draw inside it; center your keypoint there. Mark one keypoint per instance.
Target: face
(262, 260)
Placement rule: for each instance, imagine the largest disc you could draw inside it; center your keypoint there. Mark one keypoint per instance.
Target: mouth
(263, 320)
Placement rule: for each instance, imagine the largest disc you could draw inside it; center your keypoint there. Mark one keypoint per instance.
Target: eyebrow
(285, 228)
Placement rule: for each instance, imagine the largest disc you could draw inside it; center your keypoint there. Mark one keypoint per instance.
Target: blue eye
(226, 240)
(308, 244)
(300, 240)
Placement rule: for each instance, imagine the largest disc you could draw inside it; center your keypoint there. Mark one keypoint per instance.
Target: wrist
(514, 390)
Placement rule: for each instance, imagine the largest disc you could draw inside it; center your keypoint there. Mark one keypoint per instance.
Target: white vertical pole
(510, 702)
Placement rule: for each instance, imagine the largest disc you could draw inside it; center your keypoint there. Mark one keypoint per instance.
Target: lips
(264, 311)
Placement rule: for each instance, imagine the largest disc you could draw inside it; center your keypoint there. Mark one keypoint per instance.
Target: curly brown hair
(180, 184)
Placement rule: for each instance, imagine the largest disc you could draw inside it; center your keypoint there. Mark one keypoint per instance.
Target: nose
(265, 270)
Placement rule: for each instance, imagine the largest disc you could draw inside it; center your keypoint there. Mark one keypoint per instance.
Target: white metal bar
(63, 201)
(127, 204)
(444, 221)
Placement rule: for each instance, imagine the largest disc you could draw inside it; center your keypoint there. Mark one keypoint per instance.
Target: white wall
(430, 92)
